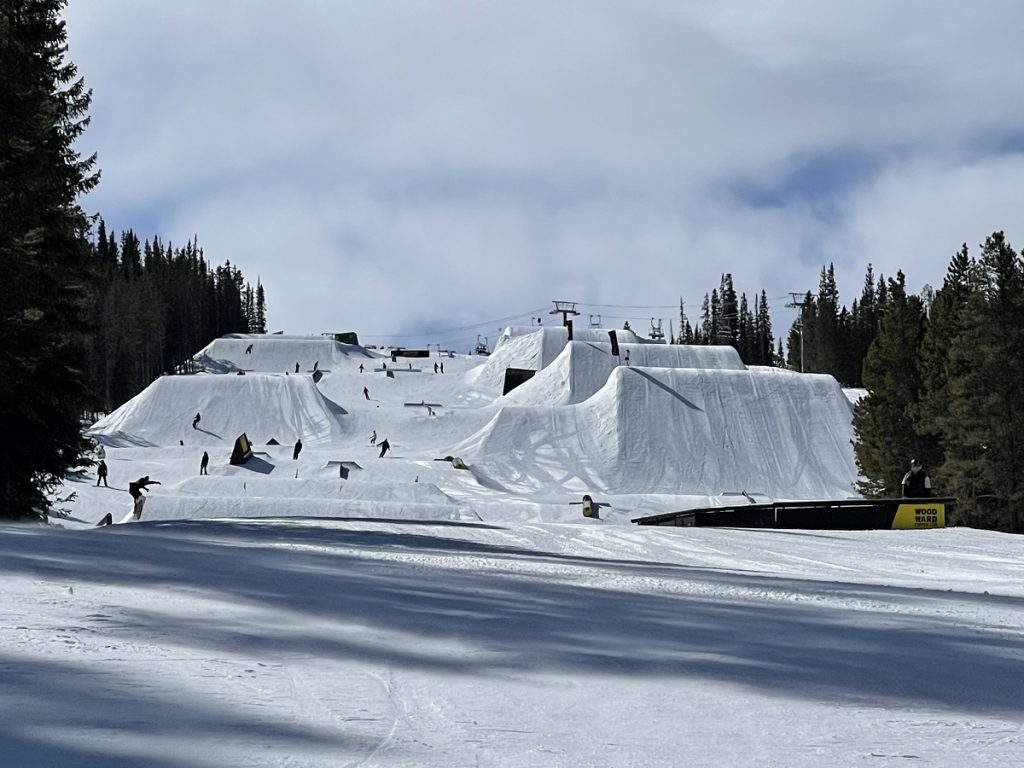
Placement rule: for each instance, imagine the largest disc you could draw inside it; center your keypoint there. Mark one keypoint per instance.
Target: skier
(916, 483)
(136, 489)
(373, 438)
(384, 446)
(366, 393)
(298, 449)
(195, 421)
(101, 474)
(204, 463)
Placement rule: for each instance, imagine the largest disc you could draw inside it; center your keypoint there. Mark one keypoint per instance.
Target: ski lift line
(441, 331)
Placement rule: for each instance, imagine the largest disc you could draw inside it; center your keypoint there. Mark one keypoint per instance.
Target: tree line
(943, 372)
(85, 321)
(945, 381)
(155, 305)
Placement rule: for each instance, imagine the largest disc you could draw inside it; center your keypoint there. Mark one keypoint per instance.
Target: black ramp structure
(242, 451)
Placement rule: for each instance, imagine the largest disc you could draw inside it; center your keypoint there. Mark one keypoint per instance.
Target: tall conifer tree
(45, 293)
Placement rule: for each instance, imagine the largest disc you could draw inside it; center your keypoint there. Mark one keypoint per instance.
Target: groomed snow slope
(263, 406)
(695, 432)
(279, 353)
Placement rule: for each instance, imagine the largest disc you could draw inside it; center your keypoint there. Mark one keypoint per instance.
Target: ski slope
(343, 608)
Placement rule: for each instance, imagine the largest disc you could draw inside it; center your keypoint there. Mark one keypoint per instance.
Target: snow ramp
(534, 349)
(583, 367)
(679, 431)
(263, 406)
(279, 353)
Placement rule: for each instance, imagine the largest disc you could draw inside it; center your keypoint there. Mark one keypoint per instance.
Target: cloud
(412, 166)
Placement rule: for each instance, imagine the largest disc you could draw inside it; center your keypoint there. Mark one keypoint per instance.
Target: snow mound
(583, 367)
(534, 349)
(680, 431)
(279, 353)
(263, 406)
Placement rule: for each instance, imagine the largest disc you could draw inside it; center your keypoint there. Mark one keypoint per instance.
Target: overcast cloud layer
(405, 167)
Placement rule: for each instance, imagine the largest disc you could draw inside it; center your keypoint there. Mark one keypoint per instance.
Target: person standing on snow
(360, 367)
(195, 421)
(296, 367)
(384, 446)
(373, 438)
(435, 367)
(204, 463)
(916, 483)
(101, 474)
(298, 449)
(366, 393)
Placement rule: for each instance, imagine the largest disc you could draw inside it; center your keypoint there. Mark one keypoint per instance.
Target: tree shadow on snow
(526, 610)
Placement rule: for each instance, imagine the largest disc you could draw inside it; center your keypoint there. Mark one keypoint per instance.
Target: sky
(446, 167)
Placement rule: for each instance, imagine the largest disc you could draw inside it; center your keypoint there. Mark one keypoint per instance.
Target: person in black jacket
(101, 474)
(204, 463)
(916, 483)
(298, 450)
(384, 446)
(136, 489)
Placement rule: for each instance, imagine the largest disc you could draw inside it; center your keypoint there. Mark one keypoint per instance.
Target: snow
(416, 614)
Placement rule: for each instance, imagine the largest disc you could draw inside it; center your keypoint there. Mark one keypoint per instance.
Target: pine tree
(45, 258)
(984, 449)
(887, 436)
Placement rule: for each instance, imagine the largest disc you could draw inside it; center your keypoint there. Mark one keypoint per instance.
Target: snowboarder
(101, 474)
(296, 367)
(298, 449)
(204, 463)
(435, 367)
(316, 366)
(916, 483)
(248, 350)
(384, 446)
(366, 393)
(136, 489)
(373, 438)
(360, 367)
(195, 421)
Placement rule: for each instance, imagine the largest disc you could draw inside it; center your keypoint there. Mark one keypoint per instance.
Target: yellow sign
(919, 515)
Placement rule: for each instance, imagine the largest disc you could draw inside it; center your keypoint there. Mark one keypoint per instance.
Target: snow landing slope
(278, 354)
(264, 406)
(683, 431)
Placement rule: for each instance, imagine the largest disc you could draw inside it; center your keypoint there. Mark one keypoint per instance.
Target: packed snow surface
(346, 609)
